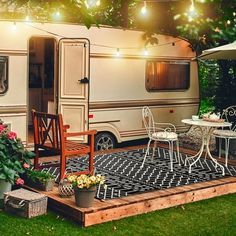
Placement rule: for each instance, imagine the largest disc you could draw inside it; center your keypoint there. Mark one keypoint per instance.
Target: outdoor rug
(124, 175)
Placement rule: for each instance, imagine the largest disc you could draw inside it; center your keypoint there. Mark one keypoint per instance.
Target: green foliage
(209, 80)
(206, 106)
(13, 155)
(38, 176)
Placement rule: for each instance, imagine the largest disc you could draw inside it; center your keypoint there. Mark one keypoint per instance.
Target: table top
(201, 122)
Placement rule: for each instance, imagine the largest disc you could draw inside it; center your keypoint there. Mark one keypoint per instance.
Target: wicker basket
(65, 188)
(25, 203)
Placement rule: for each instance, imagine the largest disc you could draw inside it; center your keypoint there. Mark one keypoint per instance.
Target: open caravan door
(73, 86)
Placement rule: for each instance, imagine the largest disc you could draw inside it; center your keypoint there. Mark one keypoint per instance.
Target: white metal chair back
(229, 114)
(148, 121)
(156, 133)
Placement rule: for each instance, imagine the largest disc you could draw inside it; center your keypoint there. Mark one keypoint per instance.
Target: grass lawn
(210, 217)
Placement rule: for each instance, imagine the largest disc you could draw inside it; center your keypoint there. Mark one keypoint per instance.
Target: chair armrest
(89, 132)
(66, 127)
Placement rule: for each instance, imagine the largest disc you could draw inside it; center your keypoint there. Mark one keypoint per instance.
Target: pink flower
(2, 128)
(11, 135)
(26, 165)
(19, 181)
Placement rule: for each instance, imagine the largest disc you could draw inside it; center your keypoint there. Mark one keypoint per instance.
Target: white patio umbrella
(227, 51)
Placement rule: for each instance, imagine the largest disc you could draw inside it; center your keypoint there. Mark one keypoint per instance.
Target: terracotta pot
(4, 187)
(84, 197)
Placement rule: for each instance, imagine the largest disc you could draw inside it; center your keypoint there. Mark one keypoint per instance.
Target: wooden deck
(114, 209)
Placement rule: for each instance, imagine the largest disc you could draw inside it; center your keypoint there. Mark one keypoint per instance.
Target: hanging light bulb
(117, 52)
(13, 27)
(92, 3)
(27, 18)
(145, 51)
(144, 8)
(57, 15)
(98, 3)
(192, 13)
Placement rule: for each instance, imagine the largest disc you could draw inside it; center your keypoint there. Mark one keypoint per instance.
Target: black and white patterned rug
(124, 175)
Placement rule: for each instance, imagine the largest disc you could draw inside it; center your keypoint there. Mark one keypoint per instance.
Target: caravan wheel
(104, 141)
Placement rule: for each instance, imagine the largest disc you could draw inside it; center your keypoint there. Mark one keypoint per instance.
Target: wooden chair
(50, 134)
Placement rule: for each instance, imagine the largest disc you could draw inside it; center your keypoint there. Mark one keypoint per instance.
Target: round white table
(206, 127)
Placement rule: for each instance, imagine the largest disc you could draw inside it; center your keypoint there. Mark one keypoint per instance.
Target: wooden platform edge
(161, 202)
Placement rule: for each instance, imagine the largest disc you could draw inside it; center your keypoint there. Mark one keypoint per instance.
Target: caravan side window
(167, 75)
(3, 74)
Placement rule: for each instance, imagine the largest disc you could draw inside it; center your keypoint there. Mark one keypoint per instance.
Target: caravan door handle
(85, 80)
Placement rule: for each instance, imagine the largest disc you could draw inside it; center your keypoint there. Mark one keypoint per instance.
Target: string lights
(143, 50)
(95, 3)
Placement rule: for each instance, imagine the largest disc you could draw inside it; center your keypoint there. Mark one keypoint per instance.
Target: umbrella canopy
(227, 51)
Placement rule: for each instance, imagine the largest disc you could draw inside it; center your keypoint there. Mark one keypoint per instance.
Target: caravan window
(3, 74)
(167, 75)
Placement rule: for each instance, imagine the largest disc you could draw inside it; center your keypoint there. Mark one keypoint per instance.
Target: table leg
(209, 153)
(205, 145)
(198, 154)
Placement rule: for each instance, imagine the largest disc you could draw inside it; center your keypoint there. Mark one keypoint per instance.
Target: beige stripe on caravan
(13, 109)
(127, 56)
(4, 52)
(140, 103)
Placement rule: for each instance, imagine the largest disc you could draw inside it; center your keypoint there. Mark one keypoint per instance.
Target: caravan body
(77, 71)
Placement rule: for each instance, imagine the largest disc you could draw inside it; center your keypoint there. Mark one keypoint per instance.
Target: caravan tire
(104, 141)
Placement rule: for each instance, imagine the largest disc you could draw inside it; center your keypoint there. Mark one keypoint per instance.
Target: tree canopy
(210, 23)
(205, 23)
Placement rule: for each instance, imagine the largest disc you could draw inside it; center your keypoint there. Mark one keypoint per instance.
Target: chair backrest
(229, 114)
(148, 120)
(48, 131)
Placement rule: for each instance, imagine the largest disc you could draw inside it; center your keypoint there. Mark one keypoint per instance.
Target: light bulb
(13, 27)
(117, 52)
(145, 52)
(92, 3)
(192, 13)
(144, 8)
(27, 18)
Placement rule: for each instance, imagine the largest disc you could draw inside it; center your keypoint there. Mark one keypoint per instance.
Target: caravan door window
(3, 74)
(167, 75)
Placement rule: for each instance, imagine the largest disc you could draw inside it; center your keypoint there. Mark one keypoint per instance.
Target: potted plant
(39, 179)
(13, 157)
(85, 188)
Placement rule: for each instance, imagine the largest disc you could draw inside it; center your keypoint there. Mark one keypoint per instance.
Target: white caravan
(98, 78)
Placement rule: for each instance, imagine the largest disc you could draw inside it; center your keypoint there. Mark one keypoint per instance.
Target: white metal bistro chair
(159, 132)
(229, 114)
